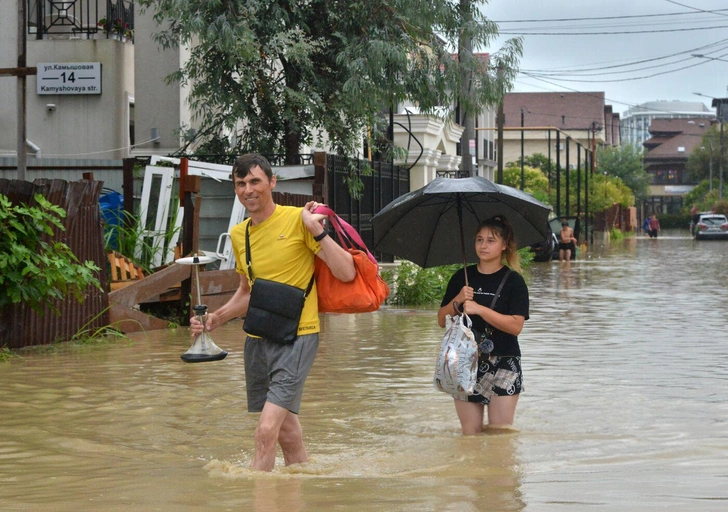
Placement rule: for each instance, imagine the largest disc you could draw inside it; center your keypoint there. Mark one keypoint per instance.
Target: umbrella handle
(462, 237)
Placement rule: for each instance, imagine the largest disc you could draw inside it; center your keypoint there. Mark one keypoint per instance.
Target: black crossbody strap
(250, 267)
(500, 288)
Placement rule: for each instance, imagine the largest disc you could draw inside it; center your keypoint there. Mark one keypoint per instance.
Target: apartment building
(635, 123)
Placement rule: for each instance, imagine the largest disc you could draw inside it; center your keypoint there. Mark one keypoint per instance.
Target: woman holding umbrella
(495, 297)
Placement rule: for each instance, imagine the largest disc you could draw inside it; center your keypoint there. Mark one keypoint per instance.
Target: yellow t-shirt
(282, 250)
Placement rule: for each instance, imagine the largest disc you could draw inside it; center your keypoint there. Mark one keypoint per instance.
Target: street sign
(69, 78)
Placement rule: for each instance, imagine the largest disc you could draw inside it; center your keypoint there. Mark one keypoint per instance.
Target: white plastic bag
(457, 363)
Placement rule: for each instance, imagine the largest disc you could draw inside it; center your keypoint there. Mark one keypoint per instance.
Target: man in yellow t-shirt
(283, 244)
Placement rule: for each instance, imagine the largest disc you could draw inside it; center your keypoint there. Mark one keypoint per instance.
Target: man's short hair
(243, 164)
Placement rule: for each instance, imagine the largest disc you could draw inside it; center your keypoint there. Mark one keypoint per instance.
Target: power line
(636, 62)
(716, 11)
(696, 9)
(627, 32)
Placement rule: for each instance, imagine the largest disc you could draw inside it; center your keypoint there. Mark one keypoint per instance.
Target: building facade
(557, 125)
(635, 123)
(666, 155)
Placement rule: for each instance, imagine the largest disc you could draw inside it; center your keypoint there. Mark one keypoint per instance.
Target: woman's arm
(510, 324)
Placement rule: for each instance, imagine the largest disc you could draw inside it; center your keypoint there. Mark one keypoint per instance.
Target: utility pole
(500, 121)
(523, 175)
(467, 120)
(710, 163)
(558, 173)
(22, 104)
(720, 163)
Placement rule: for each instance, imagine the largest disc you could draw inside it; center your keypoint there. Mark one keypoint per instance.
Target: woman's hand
(470, 308)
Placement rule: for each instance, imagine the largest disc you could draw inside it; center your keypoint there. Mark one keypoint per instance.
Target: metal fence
(383, 182)
(21, 326)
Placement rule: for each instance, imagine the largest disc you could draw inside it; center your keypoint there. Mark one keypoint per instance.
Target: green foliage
(88, 335)
(535, 180)
(277, 73)
(33, 270)
(130, 235)
(616, 234)
(625, 163)
(412, 285)
(674, 221)
(705, 156)
(5, 354)
(416, 286)
(704, 199)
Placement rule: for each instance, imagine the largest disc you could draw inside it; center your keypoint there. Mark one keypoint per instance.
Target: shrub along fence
(20, 325)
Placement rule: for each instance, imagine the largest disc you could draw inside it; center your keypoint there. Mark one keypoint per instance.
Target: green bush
(413, 285)
(616, 234)
(674, 220)
(34, 271)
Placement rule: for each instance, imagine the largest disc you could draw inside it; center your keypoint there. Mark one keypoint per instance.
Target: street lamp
(523, 175)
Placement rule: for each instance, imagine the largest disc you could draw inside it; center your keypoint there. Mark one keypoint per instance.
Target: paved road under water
(626, 374)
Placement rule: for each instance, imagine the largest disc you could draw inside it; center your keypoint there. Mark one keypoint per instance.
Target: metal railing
(82, 19)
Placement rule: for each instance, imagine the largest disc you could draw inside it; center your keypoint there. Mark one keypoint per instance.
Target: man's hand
(211, 322)
(313, 220)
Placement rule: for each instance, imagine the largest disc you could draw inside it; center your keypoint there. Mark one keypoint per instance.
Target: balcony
(81, 19)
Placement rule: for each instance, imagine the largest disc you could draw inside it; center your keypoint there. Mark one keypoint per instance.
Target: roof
(566, 111)
(674, 138)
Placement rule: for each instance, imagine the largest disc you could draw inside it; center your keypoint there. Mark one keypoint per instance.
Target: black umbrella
(428, 226)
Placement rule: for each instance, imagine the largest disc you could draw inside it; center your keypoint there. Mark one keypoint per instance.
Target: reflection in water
(625, 374)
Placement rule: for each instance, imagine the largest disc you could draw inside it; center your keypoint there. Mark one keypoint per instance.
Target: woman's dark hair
(500, 227)
(244, 163)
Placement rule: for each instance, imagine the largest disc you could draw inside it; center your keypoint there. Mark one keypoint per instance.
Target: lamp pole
(523, 175)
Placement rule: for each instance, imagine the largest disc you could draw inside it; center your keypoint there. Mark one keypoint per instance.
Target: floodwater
(626, 376)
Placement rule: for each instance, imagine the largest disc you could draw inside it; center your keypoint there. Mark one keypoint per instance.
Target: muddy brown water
(626, 375)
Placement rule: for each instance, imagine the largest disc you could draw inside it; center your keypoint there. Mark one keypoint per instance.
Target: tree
(535, 181)
(278, 74)
(704, 161)
(625, 163)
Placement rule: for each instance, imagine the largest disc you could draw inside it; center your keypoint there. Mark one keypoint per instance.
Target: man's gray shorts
(276, 372)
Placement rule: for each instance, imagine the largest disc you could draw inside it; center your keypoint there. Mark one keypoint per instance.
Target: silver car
(711, 226)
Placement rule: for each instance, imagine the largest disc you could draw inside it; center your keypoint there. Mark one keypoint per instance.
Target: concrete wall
(80, 126)
(158, 105)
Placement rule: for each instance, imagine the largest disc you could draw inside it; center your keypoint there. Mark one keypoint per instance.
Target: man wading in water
(283, 242)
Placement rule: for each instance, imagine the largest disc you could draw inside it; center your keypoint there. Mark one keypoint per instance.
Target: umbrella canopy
(429, 226)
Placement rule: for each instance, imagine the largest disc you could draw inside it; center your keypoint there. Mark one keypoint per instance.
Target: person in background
(646, 225)
(285, 240)
(500, 378)
(567, 243)
(654, 226)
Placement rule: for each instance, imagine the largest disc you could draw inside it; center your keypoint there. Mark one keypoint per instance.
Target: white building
(635, 122)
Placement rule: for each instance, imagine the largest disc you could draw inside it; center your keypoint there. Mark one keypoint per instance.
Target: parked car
(555, 224)
(544, 251)
(710, 226)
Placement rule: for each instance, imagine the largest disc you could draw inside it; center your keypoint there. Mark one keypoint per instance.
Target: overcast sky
(651, 63)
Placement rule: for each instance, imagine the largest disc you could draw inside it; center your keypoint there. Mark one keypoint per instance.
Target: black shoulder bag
(485, 344)
(275, 308)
